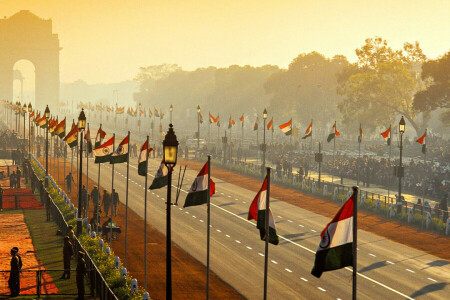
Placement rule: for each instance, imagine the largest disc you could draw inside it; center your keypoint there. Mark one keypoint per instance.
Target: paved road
(387, 270)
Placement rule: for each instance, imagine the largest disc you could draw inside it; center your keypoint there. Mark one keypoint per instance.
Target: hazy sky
(108, 40)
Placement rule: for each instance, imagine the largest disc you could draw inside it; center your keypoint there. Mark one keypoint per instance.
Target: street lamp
(399, 171)
(47, 115)
(24, 110)
(171, 110)
(198, 128)
(264, 140)
(30, 109)
(81, 127)
(170, 151)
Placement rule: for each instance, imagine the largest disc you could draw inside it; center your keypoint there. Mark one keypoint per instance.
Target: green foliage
(104, 262)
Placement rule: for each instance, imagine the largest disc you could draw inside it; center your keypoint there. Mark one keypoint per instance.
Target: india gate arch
(26, 36)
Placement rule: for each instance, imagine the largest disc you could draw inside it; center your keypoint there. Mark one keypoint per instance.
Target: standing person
(18, 175)
(12, 180)
(95, 196)
(84, 201)
(14, 275)
(106, 202)
(71, 234)
(69, 180)
(1, 198)
(115, 201)
(81, 273)
(67, 256)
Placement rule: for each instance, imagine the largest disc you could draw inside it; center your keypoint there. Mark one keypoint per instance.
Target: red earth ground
(426, 241)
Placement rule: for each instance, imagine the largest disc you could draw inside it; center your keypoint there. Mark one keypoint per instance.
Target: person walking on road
(106, 202)
(115, 201)
(69, 181)
(18, 175)
(14, 275)
(95, 196)
(81, 273)
(67, 256)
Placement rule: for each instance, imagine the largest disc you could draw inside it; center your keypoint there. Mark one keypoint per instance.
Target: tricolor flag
(150, 114)
(422, 141)
(231, 123)
(142, 112)
(42, 122)
(360, 133)
(143, 159)
(72, 137)
(335, 250)
(162, 115)
(287, 127)
(257, 212)
(87, 138)
(334, 133)
(198, 193)
(270, 125)
(120, 155)
(52, 126)
(32, 114)
(60, 129)
(387, 135)
(212, 119)
(161, 178)
(99, 137)
(242, 120)
(255, 127)
(37, 117)
(156, 113)
(218, 121)
(308, 132)
(103, 152)
(200, 117)
(120, 110)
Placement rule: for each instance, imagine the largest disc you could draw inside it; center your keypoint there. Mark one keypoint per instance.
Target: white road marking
(390, 262)
(236, 199)
(218, 230)
(304, 279)
(274, 262)
(201, 221)
(180, 208)
(194, 217)
(249, 248)
(290, 221)
(260, 254)
(227, 235)
(290, 271)
(322, 289)
(187, 212)
(313, 230)
(229, 196)
(280, 217)
(237, 241)
(410, 270)
(431, 279)
(372, 255)
(301, 225)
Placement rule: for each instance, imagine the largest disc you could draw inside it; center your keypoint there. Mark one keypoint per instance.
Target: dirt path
(428, 242)
(14, 233)
(188, 274)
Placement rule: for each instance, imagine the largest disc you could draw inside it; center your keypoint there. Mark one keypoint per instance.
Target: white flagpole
(98, 187)
(145, 218)
(266, 252)
(112, 191)
(208, 208)
(88, 139)
(126, 200)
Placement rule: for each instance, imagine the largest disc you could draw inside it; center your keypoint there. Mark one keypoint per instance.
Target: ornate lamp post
(170, 151)
(198, 128)
(47, 116)
(264, 140)
(30, 109)
(171, 110)
(400, 169)
(81, 127)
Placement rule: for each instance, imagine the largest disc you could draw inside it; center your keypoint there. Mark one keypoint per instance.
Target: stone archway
(26, 36)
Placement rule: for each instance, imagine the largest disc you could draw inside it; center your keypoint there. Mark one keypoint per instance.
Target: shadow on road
(437, 263)
(373, 266)
(226, 204)
(429, 289)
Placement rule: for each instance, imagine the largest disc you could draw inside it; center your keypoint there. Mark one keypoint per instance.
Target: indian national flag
(120, 110)
(87, 138)
(143, 159)
(42, 122)
(156, 113)
(231, 123)
(212, 119)
(422, 141)
(32, 115)
(334, 133)
(60, 129)
(255, 127)
(150, 114)
(99, 137)
(287, 127)
(72, 137)
(387, 135)
(120, 155)
(308, 132)
(200, 117)
(161, 178)
(257, 212)
(52, 126)
(242, 120)
(270, 125)
(360, 133)
(335, 250)
(198, 193)
(103, 152)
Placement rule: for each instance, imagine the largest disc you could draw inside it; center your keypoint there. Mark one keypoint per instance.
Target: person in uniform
(71, 234)
(14, 275)
(67, 256)
(106, 202)
(95, 196)
(18, 175)
(81, 273)
(115, 201)
(69, 180)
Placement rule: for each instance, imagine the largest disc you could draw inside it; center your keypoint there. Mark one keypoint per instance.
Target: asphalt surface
(387, 270)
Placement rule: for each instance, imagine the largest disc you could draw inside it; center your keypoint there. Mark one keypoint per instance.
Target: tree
(380, 85)
(436, 95)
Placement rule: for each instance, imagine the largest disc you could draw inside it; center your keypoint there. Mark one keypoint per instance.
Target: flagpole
(390, 150)
(145, 218)
(292, 131)
(71, 174)
(64, 167)
(257, 143)
(334, 149)
(359, 152)
(112, 191)
(88, 138)
(312, 139)
(355, 240)
(208, 213)
(98, 185)
(126, 200)
(424, 162)
(266, 252)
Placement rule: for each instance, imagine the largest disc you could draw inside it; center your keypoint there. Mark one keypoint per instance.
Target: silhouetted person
(115, 201)
(1, 197)
(69, 181)
(14, 275)
(67, 256)
(106, 202)
(84, 201)
(18, 175)
(12, 180)
(81, 273)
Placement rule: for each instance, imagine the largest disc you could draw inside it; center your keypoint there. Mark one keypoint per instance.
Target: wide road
(387, 270)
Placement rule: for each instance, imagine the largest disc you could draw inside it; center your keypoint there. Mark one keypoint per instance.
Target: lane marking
(322, 289)
(301, 225)
(390, 262)
(227, 235)
(372, 255)
(201, 221)
(237, 241)
(249, 248)
(313, 230)
(304, 279)
(290, 221)
(218, 230)
(260, 254)
(290, 271)
(274, 262)
(431, 279)
(410, 270)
